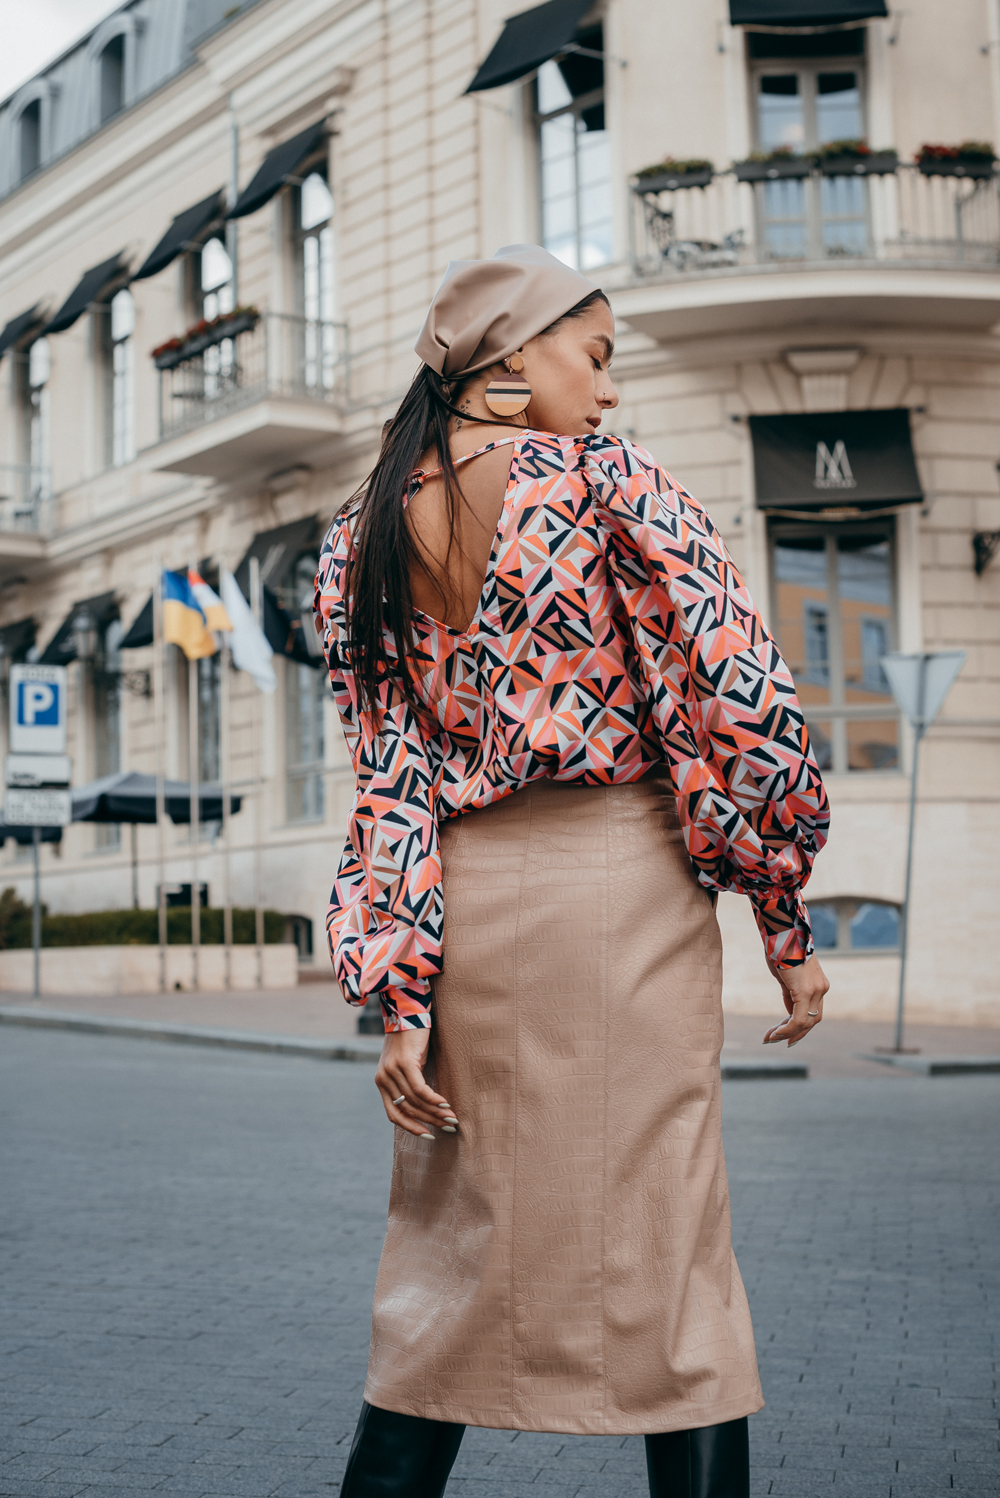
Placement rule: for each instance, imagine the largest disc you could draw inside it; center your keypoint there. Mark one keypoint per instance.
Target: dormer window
(113, 77)
(31, 138)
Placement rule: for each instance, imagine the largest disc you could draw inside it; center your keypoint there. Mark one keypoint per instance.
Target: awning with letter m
(825, 462)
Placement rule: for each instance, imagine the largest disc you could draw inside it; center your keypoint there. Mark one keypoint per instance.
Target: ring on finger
(397, 1100)
(812, 1013)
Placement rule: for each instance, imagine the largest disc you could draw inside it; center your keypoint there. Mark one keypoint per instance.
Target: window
(306, 692)
(35, 423)
(112, 74)
(314, 280)
(577, 224)
(216, 299)
(834, 612)
(802, 104)
(107, 720)
(31, 138)
(209, 700)
(120, 379)
(851, 925)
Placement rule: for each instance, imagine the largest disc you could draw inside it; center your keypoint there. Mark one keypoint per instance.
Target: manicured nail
(447, 1129)
(444, 1105)
(450, 1118)
(427, 1136)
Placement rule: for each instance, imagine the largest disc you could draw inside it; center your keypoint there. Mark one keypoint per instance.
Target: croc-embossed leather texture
(564, 1262)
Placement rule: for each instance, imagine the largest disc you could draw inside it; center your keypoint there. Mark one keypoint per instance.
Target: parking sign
(38, 709)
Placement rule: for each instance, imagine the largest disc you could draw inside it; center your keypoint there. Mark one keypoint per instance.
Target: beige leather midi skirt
(564, 1262)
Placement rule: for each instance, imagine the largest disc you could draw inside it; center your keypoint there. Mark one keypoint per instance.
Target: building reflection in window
(577, 222)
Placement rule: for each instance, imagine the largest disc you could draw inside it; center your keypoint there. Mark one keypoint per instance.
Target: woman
(570, 729)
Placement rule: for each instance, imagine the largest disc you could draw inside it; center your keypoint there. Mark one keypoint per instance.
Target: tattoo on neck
(463, 407)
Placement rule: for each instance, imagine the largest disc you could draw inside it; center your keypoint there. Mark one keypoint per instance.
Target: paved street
(189, 1240)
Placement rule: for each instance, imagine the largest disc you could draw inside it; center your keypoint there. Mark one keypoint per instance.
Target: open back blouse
(613, 632)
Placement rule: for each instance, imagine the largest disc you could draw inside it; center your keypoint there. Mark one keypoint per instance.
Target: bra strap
(432, 473)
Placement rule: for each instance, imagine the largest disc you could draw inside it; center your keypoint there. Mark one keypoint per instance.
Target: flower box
(670, 181)
(772, 169)
(955, 166)
(178, 351)
(874, 164)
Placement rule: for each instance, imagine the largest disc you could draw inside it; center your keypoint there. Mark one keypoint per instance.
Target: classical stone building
(809, 339)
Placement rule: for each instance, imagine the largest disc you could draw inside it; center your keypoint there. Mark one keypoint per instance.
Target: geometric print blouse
(613, 632)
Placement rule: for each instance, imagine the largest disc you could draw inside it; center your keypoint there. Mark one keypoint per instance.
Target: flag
(209, 602)
(184, 621)
(251, 651)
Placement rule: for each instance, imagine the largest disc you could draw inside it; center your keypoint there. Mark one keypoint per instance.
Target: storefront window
(848, 925)
(306, 692)
(107, 721)
(834, 609)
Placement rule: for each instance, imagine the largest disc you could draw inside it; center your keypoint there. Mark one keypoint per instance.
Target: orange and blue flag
(191, 611)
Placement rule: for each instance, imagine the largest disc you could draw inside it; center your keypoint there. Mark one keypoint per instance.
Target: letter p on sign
(38, 709)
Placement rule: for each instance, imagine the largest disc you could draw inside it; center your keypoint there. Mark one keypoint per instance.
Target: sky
(35, 31)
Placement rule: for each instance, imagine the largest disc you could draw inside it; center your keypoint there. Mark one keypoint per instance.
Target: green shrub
(129, 928)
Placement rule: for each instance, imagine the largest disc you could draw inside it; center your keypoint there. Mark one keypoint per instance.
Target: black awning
(17, 328)
(528, 40)
(182, 235)
(17, 639)
(140, 631)
(277, 552)
(278, 165)
(86, 290)
(832, 459)
(61, 649)
(803, 12)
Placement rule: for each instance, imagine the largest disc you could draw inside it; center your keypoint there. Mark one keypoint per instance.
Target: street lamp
(919, 683)
(85, 635)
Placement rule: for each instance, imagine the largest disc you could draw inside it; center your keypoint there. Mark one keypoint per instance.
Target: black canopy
(803, 12)
(277, 551)
(25, 836)
(131, 797)
(830, 459)
(529, 39)
(17, 639)
(183, 234)
(278, 165)
(86, 290)
(140, 632)
(17, 328)
(61, 649)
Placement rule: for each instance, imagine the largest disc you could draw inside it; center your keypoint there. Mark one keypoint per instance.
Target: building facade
(809, 339)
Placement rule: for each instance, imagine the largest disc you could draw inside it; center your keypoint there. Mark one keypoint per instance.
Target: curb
(939, 1066)
(364, 1048)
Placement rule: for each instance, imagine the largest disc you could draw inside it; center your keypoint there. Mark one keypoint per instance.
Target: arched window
(113, 77)
(31, 138)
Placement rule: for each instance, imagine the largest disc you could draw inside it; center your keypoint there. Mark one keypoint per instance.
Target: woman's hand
(802, 989)
(409, 1103)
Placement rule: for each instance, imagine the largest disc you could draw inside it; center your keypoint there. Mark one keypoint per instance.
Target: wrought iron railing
(280, 356)
(25, 495)
(902, 215)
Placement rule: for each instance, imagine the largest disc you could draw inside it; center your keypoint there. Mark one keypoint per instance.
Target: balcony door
(803, 105)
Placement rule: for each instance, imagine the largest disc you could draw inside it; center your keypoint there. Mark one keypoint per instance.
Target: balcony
(25, 518)
(735, 256)
(273, 394)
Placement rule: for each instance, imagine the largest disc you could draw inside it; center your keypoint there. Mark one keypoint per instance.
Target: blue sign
(38, 709)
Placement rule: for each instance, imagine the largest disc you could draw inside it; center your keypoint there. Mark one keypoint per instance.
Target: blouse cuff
(783, 922)
(406, 1008)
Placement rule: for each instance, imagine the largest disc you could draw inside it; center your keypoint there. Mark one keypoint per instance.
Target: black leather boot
(400, 1456)
(710, 1462)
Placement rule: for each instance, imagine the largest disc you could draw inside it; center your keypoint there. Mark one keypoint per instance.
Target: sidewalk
(315, 1011)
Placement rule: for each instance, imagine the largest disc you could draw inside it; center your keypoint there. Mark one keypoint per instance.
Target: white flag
(251, 652)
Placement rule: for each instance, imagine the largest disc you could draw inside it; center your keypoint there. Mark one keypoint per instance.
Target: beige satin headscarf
(485, 309)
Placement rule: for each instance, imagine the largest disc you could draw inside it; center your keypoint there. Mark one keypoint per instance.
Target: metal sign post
(37, 772)
(919, 683)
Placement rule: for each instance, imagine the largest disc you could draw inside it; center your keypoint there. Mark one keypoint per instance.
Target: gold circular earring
(508, 394)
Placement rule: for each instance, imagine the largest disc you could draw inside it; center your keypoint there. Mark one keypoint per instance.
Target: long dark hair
(377, 585)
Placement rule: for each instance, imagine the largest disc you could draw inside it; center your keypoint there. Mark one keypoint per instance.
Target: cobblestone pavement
(189, 1241)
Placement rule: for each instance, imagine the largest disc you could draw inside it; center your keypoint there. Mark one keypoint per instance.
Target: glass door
(801, 107)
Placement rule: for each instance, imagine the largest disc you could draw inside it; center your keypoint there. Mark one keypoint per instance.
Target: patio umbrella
(25, 836)
(131, 797)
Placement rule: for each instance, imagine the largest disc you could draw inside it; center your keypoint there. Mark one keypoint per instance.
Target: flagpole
(257, 777)
(193, 789)
(159, 681)
(224, 777)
